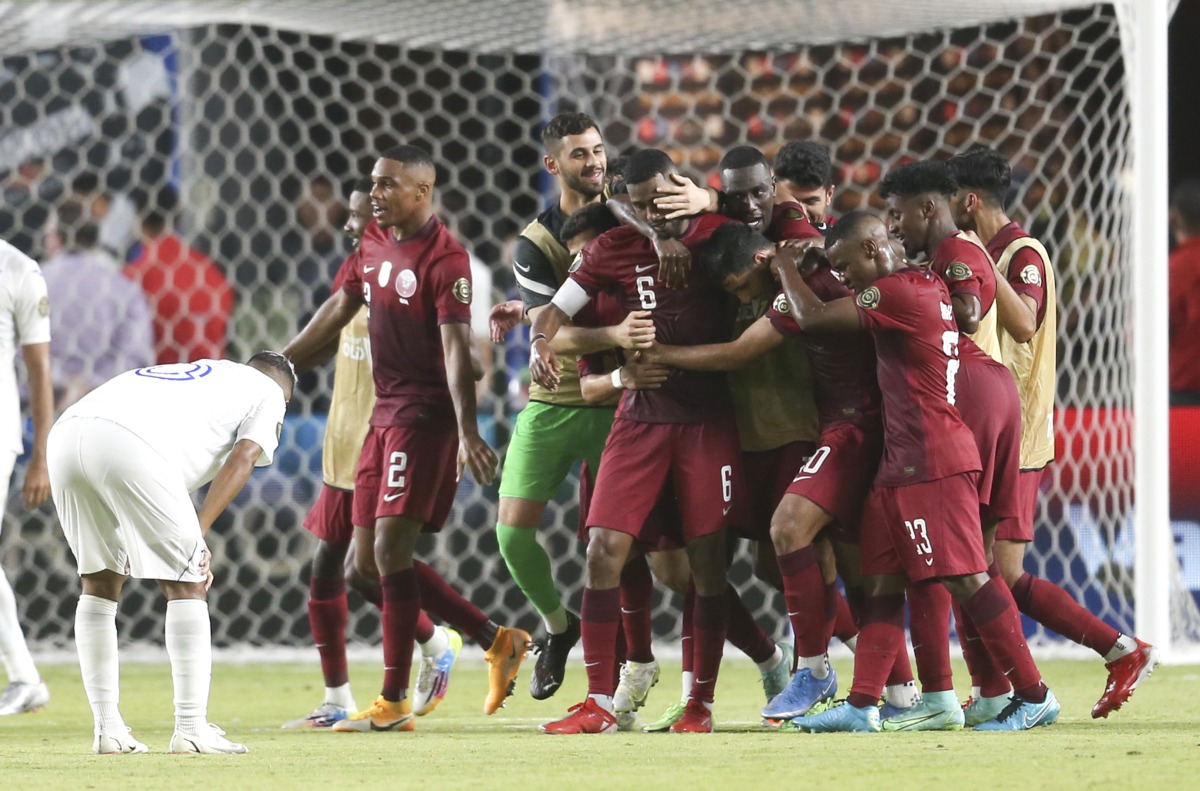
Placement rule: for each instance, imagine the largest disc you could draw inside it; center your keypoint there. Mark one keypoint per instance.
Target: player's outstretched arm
(684, 197)
(810, 313)
(636, 331)
(1017, 313)
(967, 312)
(759, 338)
(543, 362)
(473, 453)
(306, 349)
(36, 488)
(228, 482)
(674, 259)
(635, 374)
(503, 317)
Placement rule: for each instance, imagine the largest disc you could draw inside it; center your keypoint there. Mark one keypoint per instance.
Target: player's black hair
(594, 218)
(852, 223)
(730, 250)
(564, 125)
(646, 164)
(409, 155)
(984, 171)
(615, 173)
(743, 157)
(274, 361)
(919, 178)
(806, 164)
(1185, 202)
(360, 184)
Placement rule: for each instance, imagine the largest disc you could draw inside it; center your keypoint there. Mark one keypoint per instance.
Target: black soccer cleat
(551, 665)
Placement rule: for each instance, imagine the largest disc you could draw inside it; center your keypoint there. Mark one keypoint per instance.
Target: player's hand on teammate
(636, 331)
(475, 455)
(788, 255)
(36, 488)
(642, 373)
(683, 198)
(543, 364)
(505, 316)
(674, 262)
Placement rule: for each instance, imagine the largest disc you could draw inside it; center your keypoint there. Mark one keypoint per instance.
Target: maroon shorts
(1020, 527)
(767, 474)
(701, 461)
(924, 530)
(406, 472)
(989, 405)
(331, 518)
(838, 475)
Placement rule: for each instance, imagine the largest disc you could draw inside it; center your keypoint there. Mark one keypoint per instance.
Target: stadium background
(237, 126)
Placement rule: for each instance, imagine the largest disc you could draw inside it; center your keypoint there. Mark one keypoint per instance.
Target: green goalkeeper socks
(530, 568)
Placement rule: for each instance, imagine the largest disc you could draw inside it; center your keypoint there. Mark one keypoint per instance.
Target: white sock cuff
(96, 605)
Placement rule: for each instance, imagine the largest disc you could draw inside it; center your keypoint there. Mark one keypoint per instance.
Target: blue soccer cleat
(980, 710)
(1021, 715)
(841, 717)
(801, 694)
(936, 711)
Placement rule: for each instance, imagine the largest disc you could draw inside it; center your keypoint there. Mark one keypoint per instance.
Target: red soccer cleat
(1124, 675)
(586, 717)
(696, 719)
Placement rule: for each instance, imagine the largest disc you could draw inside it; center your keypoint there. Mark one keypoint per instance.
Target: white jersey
(192, 413)
(24, 317)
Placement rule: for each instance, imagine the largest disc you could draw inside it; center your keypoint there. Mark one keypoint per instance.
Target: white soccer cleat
(636, 680)
(20, 698)
(208, 739)
(117, 743)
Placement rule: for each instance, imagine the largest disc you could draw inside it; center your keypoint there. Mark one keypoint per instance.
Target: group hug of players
(875, 404)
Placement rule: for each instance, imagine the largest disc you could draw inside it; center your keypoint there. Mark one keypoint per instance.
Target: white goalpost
(248, 118)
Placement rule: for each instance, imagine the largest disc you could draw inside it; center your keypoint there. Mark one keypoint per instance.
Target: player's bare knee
(606, 554)
(103, 584)
(671, 568)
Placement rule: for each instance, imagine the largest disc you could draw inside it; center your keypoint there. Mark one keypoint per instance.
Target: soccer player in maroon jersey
(922, 518)
(918, 198)
(804, 175)
(683, 432)
(1027, 315)
(829, 488)
(415, 279)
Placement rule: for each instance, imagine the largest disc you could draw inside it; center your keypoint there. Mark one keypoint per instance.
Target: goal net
(240, 123)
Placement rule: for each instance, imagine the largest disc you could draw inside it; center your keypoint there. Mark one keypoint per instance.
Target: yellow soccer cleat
(504, 660)
(384, 715)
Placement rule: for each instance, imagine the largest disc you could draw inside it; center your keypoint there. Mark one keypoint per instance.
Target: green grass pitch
(1154, 742)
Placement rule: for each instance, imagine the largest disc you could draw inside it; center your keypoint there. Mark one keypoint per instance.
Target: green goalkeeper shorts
(546, 441)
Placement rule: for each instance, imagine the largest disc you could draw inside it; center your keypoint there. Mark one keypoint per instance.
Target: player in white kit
(24, 316)
(123, 461)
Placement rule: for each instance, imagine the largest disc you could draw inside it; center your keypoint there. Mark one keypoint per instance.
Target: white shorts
(122, 505)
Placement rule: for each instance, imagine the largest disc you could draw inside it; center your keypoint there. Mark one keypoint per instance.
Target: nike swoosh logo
(801, 478)
(793, 614)
(590, 664)
(368, 269)
(928, 561)
(631, 612)
(647, 267)
(725, 511)
(387, 498)
(517, 264)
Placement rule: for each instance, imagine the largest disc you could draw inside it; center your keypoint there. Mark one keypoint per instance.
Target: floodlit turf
(1153, 743)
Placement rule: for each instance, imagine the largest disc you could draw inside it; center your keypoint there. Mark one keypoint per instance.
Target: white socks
(341, 696)
(436, 645)
(14, 653)
(96, 641)
(189, 646)
(902, 695)
(556, 622)
(689, 678)
(603, 701)
(1124, 646)
(773, 662)
(819, 665)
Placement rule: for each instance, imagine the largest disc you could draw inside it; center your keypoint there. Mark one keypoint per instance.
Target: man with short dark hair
(804, 174)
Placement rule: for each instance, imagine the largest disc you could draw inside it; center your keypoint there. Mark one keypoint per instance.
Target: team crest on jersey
(1031, 275)
(406, 283)
(44, 307)
(462, 290)
(781, 305)
(794, 214)
(576, 262)
(869, 299)
(958, 271)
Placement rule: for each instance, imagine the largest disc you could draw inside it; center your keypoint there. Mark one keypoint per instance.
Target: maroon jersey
(966, 269)
(843, 364)
(623, 262)
(789, 221)
(411, 288)
(916, 346)
(1026, 270)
